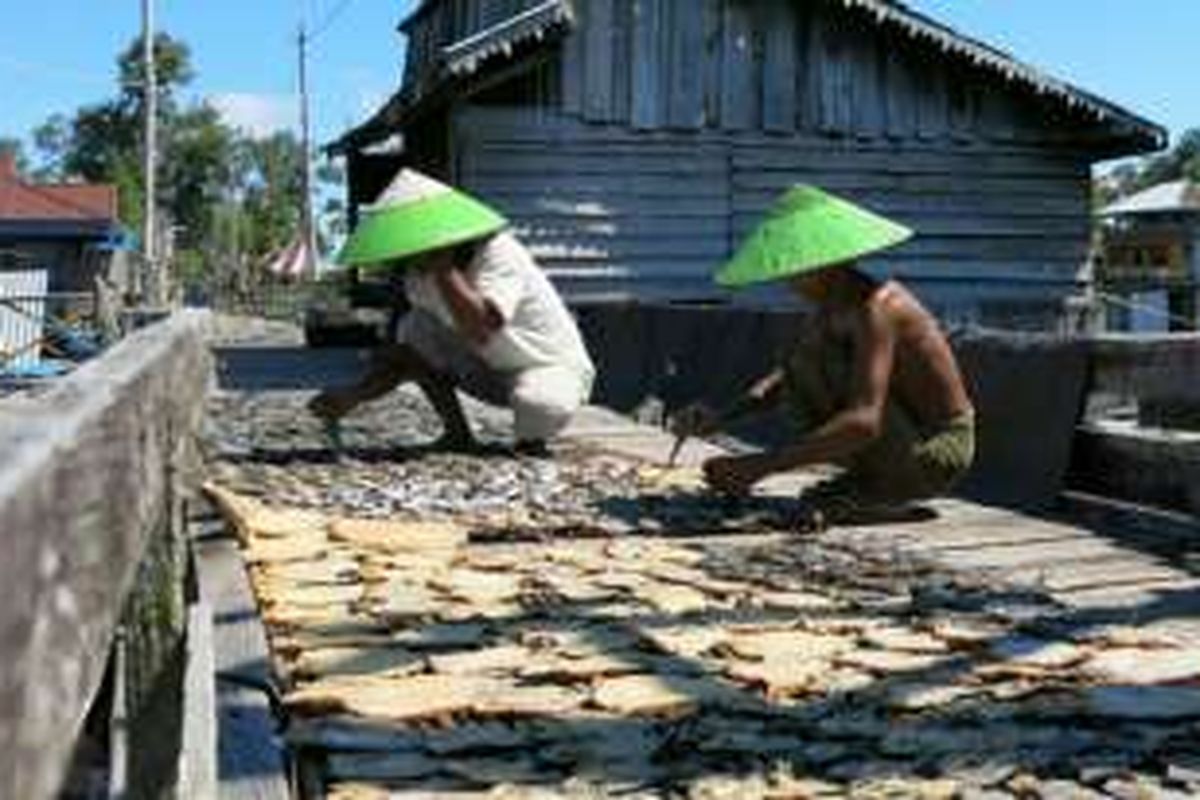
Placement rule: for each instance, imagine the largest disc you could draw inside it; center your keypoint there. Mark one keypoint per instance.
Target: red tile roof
(28, 201)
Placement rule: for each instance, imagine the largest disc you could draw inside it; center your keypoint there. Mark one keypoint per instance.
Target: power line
(329, 19)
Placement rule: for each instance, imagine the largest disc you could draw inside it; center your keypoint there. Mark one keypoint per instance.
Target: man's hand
(331, 404)
(476, 316)
(733, 474)
(695, 420)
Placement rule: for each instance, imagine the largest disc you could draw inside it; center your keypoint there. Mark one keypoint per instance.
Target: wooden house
(635, 142)
(69, 231)
(1149, 267)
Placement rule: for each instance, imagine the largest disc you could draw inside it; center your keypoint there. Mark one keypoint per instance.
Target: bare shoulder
(902, 308)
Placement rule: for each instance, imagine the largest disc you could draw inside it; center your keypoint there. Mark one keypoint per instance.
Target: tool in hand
(333, 434)
(675, 448)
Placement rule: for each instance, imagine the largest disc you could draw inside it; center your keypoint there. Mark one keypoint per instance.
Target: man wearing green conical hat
(483, 316)
(872, 387)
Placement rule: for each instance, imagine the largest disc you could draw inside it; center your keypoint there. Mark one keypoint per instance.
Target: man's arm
(390, 366)
(764, 394)
(476, 316)
(842, 435)
(699, 420)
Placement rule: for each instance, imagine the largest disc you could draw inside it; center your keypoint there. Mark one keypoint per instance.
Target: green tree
(274, 189)
(227, 196)
(102, 142)
(12, 146)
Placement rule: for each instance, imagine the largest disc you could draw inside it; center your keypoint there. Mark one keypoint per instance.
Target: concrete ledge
(1151, 466)
(1159, 370)
(86, 478)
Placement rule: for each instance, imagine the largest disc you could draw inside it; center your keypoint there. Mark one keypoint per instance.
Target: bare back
(925, 378)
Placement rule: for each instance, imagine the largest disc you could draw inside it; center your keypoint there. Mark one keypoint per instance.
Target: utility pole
(152, 283)
(307, 228)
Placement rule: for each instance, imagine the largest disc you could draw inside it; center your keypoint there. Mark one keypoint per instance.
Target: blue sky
(1137, 54)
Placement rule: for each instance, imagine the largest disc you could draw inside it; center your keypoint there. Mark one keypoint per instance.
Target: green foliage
(226, 196)
(1180, 162)
(12, 146)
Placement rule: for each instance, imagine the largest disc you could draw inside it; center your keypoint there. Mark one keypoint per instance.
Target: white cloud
(258, 114)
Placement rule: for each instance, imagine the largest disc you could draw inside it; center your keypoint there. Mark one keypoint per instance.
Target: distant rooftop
(63, 202)
(1175, 196)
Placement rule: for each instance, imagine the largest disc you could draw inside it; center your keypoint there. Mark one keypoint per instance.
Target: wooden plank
(198, 748)
(713, 26)
(250, 760)
(808, 67)
(839, 83)
(902, 91)
(515, 125)
(536, 229)
(598, 68)
(577, 163)
(516, 157)
(959, 104)
(993, 190)
(998, 120)
(932, 112)
(599, 209)
(572, 69)
(916, 210)
(622, 60)
(1039, 555)
(870, 103)
(643, 269)
(1098, 576)
(632, 184)
(1176, 598)
(682, 236)
(686, 79)
(738, 93)
(647, 100)
(540, 210)
(779, 69)
(532, 229)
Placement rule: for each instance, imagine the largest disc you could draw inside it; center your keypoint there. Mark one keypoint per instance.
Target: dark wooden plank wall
(655, 211)
(602, 211)
(783, 67)
(447, 22)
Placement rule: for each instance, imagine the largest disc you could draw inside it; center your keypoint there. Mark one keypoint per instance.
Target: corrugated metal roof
(1174, 196)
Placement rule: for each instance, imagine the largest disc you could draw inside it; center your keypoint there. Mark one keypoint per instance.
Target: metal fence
(44, 333)
(271, 300)
(22, 317)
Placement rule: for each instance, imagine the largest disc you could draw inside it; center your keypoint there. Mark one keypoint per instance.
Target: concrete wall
(91, 473)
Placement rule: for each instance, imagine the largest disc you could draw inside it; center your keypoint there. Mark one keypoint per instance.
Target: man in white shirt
(483, 318)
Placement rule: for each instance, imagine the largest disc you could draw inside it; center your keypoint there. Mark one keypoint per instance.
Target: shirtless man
(873, 387)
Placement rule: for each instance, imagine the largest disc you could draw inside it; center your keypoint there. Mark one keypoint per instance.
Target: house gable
(864, 68)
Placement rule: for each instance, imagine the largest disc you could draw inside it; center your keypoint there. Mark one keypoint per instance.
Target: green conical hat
(417, 214)
(808, 229)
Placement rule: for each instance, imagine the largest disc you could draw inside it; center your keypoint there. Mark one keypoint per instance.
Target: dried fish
(485, 625)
